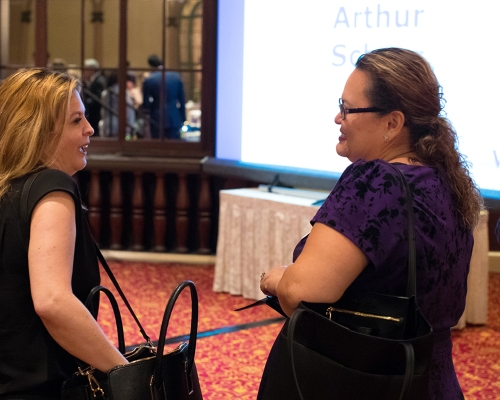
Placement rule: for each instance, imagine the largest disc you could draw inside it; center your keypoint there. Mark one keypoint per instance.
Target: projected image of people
(391, 117)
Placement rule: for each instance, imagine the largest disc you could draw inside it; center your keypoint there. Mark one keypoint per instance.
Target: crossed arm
(328, 264)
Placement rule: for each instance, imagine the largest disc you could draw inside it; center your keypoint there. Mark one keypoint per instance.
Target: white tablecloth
(259, 230)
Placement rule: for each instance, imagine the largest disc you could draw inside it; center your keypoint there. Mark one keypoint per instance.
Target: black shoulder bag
(366, 345)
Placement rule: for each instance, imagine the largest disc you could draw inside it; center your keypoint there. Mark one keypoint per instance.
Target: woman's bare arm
(50, 259)
(328, 264)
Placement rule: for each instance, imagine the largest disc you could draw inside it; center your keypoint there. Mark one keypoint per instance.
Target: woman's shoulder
(367, 206)
(368, 170)
(51, 180)
(378, 184)
(380, 173)
(378, 168)
(368, 178)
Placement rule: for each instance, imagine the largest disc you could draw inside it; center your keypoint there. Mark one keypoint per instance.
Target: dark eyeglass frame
(344, 110)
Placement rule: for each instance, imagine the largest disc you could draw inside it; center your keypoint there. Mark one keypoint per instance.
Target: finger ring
(262, 275)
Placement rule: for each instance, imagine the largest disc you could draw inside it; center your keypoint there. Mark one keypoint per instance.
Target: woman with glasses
(390, 113)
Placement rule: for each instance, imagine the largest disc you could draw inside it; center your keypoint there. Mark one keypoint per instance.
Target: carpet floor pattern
(233, 346)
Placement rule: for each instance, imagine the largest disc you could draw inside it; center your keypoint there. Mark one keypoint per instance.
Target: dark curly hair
(403, 80)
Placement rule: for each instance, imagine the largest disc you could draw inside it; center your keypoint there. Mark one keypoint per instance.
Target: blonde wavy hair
(403, 80)
(33, 108)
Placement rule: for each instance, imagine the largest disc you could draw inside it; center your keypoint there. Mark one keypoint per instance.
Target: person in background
(108, 125)
(134, 90)
(174, 109)
(48, 262)
(390, 113)
(94, 83)
(59, 64)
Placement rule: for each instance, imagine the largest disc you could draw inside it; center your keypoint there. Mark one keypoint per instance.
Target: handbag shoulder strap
(411, 289)
(25, 223)
(120, 292)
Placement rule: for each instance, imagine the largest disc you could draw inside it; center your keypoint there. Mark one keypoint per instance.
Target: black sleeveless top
(31, 362)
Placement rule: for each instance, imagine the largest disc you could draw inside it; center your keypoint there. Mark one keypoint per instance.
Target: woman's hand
(270, 280)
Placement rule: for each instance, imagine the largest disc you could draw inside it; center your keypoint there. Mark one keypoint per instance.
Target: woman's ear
(395, 122)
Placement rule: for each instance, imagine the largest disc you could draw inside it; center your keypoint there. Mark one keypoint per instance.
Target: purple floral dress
(367, 205)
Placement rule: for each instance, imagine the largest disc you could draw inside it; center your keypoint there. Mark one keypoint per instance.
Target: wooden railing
(162, 204)
(151, 204)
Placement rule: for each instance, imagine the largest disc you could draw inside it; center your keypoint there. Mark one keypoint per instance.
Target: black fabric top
(31, 362)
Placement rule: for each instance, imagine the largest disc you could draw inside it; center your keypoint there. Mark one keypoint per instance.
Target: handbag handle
(408, 348)
(156, 379)
(116, 311)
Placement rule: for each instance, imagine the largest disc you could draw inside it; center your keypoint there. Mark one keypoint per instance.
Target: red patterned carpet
(230, 364)
(476, 351)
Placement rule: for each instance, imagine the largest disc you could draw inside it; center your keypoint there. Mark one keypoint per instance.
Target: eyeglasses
(344, 111)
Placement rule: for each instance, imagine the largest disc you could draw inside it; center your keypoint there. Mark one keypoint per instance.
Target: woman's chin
(342, 149)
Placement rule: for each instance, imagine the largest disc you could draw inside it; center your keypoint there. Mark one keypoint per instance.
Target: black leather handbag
(150, 373)
(365, 346)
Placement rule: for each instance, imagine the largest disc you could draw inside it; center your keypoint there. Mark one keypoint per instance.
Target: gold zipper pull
(331, 309)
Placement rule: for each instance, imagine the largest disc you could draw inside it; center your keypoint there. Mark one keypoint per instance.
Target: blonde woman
(48, 262)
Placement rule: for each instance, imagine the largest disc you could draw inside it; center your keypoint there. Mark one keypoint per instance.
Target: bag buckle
(93, 382)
